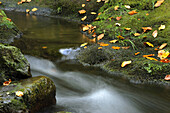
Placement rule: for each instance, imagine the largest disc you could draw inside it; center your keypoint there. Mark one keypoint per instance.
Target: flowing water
(81, 89)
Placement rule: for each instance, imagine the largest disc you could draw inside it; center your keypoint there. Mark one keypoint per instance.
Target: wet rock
(8, 30)
(38, 92)
(13, 64)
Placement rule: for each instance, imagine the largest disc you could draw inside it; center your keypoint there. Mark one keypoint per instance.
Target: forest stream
(82, 89)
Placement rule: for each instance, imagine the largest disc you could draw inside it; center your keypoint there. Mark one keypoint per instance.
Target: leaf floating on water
(167, 77)
(127, 29)
(161, 27)
(158, 3)
(34, 9)
(126, 63)
(19, 93)
(149, 44)
(155, 33)
(137, 53)
(83, 5)
(132, 12)
(137, 34)
(165, 60)
(116, 8)
(150, 58)
(100, 36)
(146, 28)
(6, 83)
(82, 11)
(84, 44)
(84, 18)
(127, 6)
(113, 41)
(163, 45)
(114, 47)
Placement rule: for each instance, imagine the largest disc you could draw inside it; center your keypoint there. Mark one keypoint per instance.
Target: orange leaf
(103, 44)
(162, 54)
(118, 18)
(167, 77)
(114, 47)
(8, 19)
(99, 47)
(93, 40)
(19, 3)
(44, 47)
(127, 29)
(82, 11)
(94, 35)
(155, 33)
(116, 8)
(19, 93)
(85, 47)
(132, 12)
(150, 58)
(137, 34)
(126, 47)
(158, 3)
(163, 45)
(100, 36)
(147, 14)
(165, 60)
(137, 53)
(120, 37)
(149, 55)
(113, 41)
(88, 0)
(146, 28)
(149, 44)
(100, 13)
(126, 63)
(6, 83)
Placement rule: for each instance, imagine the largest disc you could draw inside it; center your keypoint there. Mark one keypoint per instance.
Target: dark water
(81, 89)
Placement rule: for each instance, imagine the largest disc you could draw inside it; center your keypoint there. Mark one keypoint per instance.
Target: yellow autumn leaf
(126, 63)
(126, 47)
(82, 11)
(163, 45)
(103, 44)
(116, 8)
(137, 34)
(146, 28)
(99, 47)
(113, 41)
(84, 18)
(114, 47)
(100, 36)
(84, 44)
(19, 93)
(155, 33)
(83, 5)
(34, 9)
(6, 83)
(158, 3)
(161, 27)
(149, 55)
(27, 10)
(149, 44)
(162, 54)
(93, 13)
(44, 47)
(127, 29)
(150, 58)
(85, 28)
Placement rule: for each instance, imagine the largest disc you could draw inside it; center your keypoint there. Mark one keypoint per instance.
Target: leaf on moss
(127, 6)
(19, 93)
(83, 5)
(116, 8)
(155, 33)
(132, 12)
(84, 18)
(34, 9)
(126, 47)
(120, 37)
(167, 77)
(6, 83)
(137, 53)
(165, 60)
(84, 44)
(126, 63)
(163, 46)
(100, 36)
(118, 18)
(149, 55)
(146, 28)
(149, 44)
(158, 3)
(150, 58)
(113, 41)
(114, 47)
(127, 29)
(137, 34)
(162, 54)
(161, 27)
(82, 11)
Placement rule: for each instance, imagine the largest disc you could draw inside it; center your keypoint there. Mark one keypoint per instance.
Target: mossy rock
(39, 92)
(13, 64)
(8, 30)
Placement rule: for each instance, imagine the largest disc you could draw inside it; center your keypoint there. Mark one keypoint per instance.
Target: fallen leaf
(137, 53)
(137, 34)
(162, 54)
(6, 83)
(93, 40)
(161, 27)
(93, 13)
(28, 1)
(132, 12)
(167, 77)
(155, 33)
(85, 28)
(88, 0)
(113, 41)
(149, 55)
(114, 47)
(44, 47)
(84, 44)
(84, 18)
(158, 3)
(147, 14)
(118, 18)
(117, 24)
(126, 63)
(34, 9)
(98, 1)
(103, 44)
(19, 3)
(150, 58)
(120, 37)
(165, 60)
(94, 35)
(127, 6)
(9, 19)
(27, 10)
(0, 3)
(82, 11)
(126, 47)
(127, 29)
(106, 1)
(83, 5)
(163, 45)
(100, 36)
(99, 47)
(85, 47)
(23, 0)
(149, 44)
(116, 8)
(146, 28)
(19, 93)
(99, 13)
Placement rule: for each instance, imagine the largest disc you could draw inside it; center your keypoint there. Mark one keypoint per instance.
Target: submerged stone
(13, 64)
(39, 92)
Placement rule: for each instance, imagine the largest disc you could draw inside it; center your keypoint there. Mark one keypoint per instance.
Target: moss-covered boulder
(38, 92)
(8, 30)
(13, 64)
